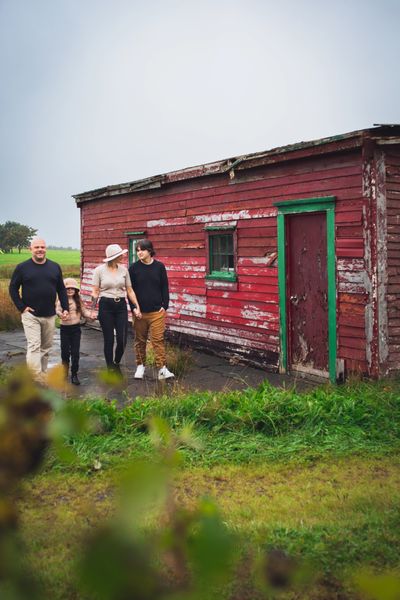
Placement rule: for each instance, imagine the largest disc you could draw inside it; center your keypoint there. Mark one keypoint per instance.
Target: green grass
(255, 425)
(71, 257)
(68, 259)
(316, 474)
(336, 516)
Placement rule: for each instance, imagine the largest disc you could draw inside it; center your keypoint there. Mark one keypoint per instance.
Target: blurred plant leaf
(210, 546)
(56, 380)
(385, 586)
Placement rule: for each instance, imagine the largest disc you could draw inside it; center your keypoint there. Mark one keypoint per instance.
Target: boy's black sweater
(150, 284)
(39, 285)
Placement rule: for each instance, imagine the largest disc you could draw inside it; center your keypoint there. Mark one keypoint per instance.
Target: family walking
(39, 292)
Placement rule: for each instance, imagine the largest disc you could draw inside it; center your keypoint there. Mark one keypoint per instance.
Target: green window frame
(133, 238)
(221, 250)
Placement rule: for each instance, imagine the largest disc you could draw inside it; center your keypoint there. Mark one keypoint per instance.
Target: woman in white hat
(111, 284)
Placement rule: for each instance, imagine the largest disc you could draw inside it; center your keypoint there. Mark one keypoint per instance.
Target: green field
(68, 259)
(64, 257)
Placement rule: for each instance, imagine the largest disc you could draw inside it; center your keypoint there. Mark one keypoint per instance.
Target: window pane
(217, 263)
(221, 253)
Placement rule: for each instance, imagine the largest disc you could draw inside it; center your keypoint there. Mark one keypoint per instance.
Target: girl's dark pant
(70, 339)
(113, 316)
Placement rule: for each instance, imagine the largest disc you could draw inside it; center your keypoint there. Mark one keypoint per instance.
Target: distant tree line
(61, 248)
(15, 235)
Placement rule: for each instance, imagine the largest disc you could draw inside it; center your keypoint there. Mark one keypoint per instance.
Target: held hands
(137, 313)
(64, 315)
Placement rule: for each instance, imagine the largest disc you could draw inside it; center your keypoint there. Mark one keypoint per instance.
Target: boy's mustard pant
(150, 327)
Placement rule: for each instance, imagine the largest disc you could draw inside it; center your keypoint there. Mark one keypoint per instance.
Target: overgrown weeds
(266, 423)
(179, 360)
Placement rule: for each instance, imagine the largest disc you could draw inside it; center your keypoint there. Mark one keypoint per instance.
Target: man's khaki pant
(39, 333)
(151, 326)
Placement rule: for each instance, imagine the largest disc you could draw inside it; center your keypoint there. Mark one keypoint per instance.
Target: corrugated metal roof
(385, 132)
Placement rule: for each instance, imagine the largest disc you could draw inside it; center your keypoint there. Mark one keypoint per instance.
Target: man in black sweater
(39, 280)
(150, 284)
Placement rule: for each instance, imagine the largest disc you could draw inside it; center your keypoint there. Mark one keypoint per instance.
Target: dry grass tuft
(10, 317)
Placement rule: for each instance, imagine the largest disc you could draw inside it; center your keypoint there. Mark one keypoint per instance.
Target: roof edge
(242, 162)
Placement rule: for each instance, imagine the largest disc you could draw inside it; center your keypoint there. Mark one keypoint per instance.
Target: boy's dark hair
(145, 245)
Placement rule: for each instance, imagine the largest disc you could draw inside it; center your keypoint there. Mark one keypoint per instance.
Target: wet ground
(206, 372)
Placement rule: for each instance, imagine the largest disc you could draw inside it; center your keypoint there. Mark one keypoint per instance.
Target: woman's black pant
(113, 316)
(70, 340)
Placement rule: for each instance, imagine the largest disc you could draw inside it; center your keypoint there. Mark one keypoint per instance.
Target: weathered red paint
(307, 291)
(360, 169)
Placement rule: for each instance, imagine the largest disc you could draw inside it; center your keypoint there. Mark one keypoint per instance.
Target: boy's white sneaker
(139, 373)
(163, 373)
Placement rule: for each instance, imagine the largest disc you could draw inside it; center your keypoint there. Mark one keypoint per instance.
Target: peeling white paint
(228, 332)
(382, 275)
(255, 260)
(258, 314)
(369, 309)
(191, 306)
(235, 216)
(231, 339)
(350, 264)
(214, 284)
(187, 268)
(167, 222)
(353, 282)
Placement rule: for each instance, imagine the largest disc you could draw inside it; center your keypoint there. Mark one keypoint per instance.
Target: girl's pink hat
(69, 282)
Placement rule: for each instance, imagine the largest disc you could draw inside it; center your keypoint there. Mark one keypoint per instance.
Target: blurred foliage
(192, 555)
(373, 586)
(191, 551)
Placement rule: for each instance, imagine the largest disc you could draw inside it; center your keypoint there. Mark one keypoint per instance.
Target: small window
(133, 238)
(221, 255)
(133, 257)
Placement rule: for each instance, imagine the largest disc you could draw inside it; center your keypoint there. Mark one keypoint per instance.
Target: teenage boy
(150, 283)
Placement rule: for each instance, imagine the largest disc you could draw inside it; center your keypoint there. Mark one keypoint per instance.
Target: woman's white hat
(113, 251)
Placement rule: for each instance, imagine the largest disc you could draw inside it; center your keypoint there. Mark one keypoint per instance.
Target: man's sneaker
(139, 374)
(163, 373)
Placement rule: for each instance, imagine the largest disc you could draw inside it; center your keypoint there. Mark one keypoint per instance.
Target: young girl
(70, 328)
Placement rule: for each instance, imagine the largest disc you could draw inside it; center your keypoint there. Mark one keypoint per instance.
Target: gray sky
(97, 92)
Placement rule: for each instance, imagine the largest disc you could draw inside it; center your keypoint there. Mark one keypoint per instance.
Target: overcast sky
(100, 92)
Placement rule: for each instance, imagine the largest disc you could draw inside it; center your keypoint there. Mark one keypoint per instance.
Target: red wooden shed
(289, 258)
